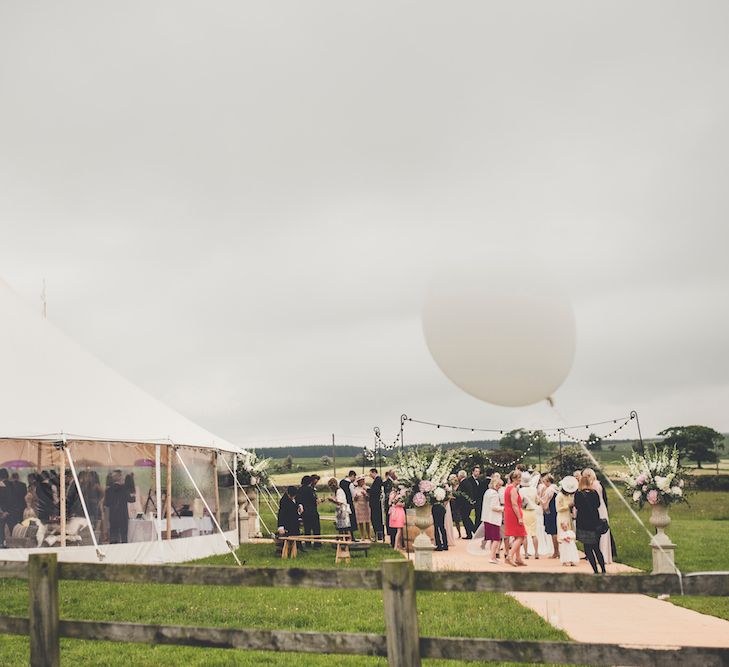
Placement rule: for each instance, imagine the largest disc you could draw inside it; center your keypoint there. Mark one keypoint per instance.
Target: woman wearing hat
(362, 508)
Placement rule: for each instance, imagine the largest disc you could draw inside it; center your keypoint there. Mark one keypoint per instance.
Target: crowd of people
(526, 514)
(360, 511)
(38, 501)
(520, 515)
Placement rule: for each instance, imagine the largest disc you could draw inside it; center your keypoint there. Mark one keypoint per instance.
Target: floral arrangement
(252, 470)
(423, 478)
(654, 478)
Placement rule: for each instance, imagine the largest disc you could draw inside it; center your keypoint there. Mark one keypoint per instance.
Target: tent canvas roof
(51, 385)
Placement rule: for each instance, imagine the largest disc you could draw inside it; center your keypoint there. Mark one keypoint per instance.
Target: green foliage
(325, 461)
(571, 458)
(594, 443)
(697, 443)
(288, 463)
(710, 483)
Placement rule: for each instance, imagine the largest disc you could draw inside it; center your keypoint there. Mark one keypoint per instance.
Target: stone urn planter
(663, 548)
(250, 506)
(422, 545)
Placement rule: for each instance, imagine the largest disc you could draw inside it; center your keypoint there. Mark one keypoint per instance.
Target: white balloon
(504, 335)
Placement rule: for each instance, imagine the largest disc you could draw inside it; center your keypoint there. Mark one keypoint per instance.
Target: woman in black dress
(587, 503)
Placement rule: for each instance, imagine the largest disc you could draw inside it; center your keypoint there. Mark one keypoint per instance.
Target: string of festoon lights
(619, 422)
(371, 450)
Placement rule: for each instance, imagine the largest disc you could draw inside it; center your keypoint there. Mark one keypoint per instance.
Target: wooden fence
(401, 644)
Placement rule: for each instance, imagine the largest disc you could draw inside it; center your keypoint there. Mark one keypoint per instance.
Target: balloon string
(625, 502)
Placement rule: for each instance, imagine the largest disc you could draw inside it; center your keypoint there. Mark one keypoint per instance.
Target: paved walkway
(604, 617)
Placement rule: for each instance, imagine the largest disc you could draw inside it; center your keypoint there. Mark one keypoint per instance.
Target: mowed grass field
(447, 614)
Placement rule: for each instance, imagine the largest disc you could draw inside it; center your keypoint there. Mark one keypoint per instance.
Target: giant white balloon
(504, 335)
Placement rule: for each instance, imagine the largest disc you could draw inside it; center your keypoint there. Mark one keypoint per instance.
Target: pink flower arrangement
(652, 497)
(641, 480)
(419, 499)
(426, 486)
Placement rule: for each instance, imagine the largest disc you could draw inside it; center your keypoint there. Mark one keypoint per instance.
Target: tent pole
(168, 498)
(99, 553)
(215, 486)
(62, 498)
(158, 489)
(235, 494)
(207, 507)
(248, 500)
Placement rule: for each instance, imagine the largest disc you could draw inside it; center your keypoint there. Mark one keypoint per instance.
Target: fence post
(401, 613)
(45, 649)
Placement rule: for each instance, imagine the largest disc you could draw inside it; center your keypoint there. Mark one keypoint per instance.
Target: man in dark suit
(387, 488)
(468, 486)
(479, 492)
(307, 500)
(346, 485)
(376, 505)
(288, 514)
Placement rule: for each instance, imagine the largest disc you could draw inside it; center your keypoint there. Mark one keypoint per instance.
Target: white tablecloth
(142, 530)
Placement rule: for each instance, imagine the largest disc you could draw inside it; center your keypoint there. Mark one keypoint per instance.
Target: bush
(573, 458)
(709, 482)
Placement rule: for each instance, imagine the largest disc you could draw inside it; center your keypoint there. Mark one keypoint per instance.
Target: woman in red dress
(513, 519)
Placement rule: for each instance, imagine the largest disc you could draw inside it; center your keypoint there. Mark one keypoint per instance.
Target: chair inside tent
(94, 468)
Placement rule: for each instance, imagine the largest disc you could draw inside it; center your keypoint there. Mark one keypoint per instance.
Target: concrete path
(602, 618)
(459, 558)
(626, 619)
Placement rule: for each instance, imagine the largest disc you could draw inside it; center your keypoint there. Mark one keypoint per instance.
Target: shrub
(709, 482)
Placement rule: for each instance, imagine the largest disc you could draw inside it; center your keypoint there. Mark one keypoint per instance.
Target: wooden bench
(343, 544)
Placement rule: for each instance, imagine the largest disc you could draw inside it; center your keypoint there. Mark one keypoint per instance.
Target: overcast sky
(238, 205)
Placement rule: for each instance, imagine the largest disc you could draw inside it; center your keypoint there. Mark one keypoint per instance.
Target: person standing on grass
(387, 488)
(397, 518)
(289, 511)
(342, 512)
(362, 508)
(306, 498)
(346, 486)
(316, 519)
(492, 514)
(587, 505)
(376, 505)
(514, 519)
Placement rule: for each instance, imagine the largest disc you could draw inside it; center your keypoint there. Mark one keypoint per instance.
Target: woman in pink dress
(397, 518)
(514, 519)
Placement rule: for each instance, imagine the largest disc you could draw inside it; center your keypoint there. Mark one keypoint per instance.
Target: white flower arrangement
(252, 470)
(654, 478)
(424, 477)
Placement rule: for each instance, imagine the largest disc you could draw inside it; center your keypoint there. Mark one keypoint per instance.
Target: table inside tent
(144, 530)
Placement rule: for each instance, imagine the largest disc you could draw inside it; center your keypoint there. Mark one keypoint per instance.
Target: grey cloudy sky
(238, 205)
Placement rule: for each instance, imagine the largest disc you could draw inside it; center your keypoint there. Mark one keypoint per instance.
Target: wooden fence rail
(401, 644)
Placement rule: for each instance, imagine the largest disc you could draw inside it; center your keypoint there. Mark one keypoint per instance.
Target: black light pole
(403, 419)
(634, 415)
(561, 468)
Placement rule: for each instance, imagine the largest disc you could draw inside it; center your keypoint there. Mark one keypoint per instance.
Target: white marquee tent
(63, 412)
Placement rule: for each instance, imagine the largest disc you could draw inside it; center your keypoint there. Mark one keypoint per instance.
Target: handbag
(602, 526)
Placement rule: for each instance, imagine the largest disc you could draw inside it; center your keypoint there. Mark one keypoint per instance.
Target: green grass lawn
(448, 614)
(700, 530)
(714, 606)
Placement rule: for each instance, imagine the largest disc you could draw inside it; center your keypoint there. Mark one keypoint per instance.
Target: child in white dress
(568, 555)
